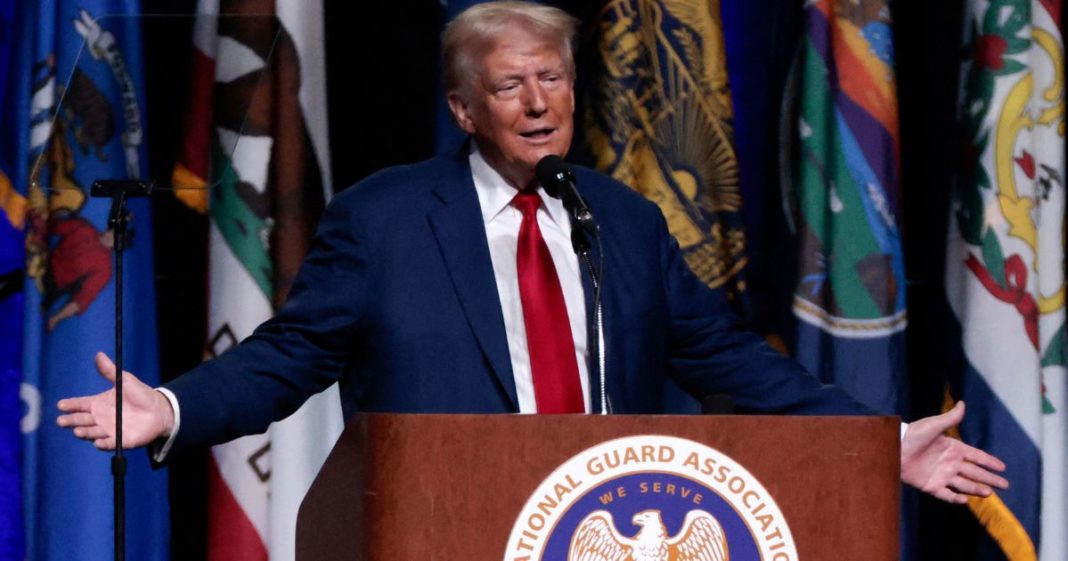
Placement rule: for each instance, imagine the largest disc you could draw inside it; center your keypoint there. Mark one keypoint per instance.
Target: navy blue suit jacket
(397, 300)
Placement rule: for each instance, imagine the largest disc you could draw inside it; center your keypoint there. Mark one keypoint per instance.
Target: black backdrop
(382, 65)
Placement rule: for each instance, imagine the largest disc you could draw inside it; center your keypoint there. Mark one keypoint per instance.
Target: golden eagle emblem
(701, 538)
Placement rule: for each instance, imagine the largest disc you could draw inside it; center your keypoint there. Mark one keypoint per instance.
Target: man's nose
(535, 101)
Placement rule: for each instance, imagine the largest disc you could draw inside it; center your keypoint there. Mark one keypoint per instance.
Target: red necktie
(552, 350)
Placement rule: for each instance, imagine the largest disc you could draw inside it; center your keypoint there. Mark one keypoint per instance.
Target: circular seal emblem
(650, 498)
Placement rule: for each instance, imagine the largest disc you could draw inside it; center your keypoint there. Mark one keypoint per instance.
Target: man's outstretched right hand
(146, 416)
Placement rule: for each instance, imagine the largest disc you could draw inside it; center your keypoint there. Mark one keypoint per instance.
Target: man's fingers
(105, 366)
(107, 369)
(950, 418)
(91, 433)
(946, 494)
(978, 457)
(977, 473)
(74, 404)
(107, 443)
(80, 419)
(967, 486)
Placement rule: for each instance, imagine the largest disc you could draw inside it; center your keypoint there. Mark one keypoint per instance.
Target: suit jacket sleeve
(711, 354)
(294, 355)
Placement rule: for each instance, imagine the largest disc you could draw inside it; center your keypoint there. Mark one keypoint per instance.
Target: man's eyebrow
(519, 74)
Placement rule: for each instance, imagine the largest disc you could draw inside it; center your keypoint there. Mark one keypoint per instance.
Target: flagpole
(118, 220)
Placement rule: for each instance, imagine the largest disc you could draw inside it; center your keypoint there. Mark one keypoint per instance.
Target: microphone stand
(579, 227)
(118, 221)
(559, 182)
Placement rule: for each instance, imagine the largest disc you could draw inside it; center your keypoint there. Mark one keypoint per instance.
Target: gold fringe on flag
(994, 516)
(190, 188)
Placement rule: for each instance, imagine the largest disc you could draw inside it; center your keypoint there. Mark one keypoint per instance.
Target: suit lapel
(461, 237)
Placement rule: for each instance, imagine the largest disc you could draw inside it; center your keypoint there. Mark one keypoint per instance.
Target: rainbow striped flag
(849, 300)
(850, 297)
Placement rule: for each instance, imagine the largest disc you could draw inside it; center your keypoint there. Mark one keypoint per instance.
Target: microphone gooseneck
(559, 182)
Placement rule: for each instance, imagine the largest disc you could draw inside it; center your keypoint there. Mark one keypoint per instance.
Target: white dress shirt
(502, 222)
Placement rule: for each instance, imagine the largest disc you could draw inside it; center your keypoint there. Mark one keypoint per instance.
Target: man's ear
(460, 112)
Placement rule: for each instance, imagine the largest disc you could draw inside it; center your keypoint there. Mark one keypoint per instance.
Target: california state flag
(255, 158)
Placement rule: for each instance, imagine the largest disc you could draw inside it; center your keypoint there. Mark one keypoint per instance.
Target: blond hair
(476, 29)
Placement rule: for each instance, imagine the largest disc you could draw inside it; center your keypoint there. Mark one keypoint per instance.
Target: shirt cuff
(160, 451)
(904, 426)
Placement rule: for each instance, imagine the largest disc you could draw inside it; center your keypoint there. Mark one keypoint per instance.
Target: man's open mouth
(537, 133)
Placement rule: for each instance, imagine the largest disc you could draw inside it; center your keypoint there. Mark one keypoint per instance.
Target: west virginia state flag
(76, 107)
(1005, 270)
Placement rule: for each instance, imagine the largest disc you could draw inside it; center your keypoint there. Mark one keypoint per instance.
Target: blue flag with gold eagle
(78, 111)
(659, 119)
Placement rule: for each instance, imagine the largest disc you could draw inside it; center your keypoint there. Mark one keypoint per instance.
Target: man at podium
(453, 286)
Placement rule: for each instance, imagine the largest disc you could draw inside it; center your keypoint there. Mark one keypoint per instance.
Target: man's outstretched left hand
(946, 467)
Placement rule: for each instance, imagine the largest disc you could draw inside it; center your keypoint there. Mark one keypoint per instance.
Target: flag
(79, 110)
(267, 179)
(850, 295)
(12, 218)
(659, 120)
(1005, 270)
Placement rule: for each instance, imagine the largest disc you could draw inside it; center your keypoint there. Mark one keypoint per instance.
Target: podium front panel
(466, 487)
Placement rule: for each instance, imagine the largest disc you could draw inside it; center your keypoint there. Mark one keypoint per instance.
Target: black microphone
(559, 182)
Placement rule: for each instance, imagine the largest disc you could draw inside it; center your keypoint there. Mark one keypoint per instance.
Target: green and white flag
(1005, 269)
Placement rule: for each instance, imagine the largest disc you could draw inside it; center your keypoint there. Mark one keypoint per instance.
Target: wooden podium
(451, 487)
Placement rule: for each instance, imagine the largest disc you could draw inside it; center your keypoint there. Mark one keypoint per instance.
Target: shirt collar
(495, 194)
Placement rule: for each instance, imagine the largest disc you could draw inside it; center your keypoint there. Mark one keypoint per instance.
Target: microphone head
(552, 172)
